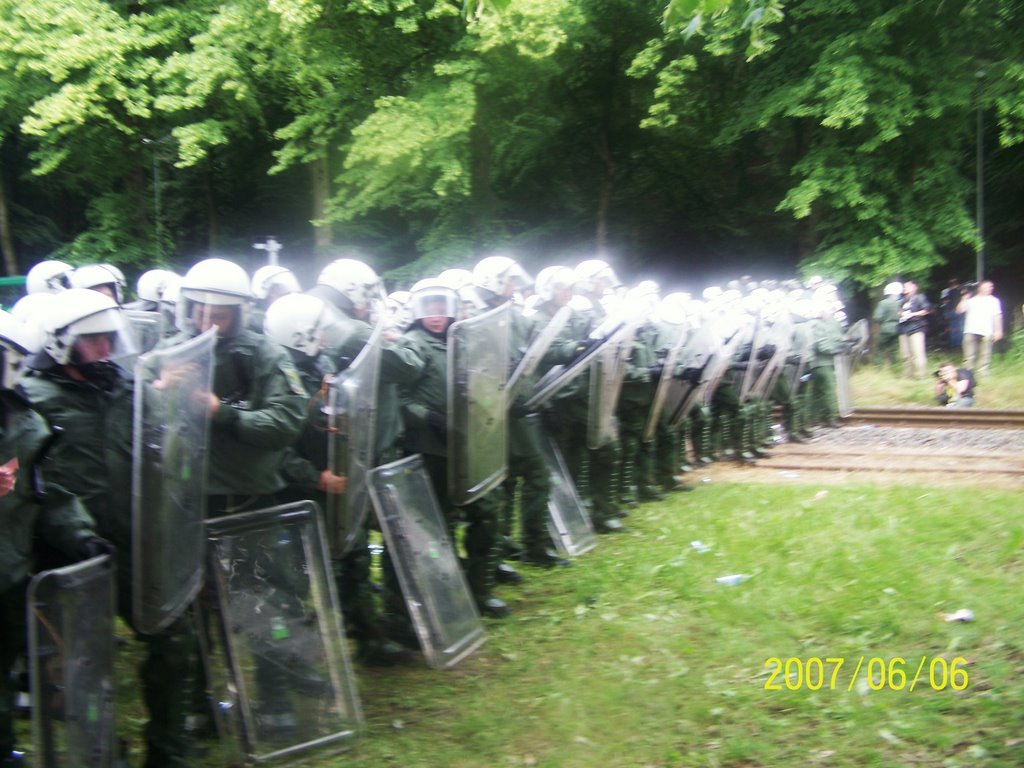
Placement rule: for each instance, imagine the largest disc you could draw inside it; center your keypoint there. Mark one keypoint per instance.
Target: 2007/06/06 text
(895, 674)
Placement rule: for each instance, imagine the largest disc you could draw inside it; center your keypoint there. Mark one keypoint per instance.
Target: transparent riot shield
(71, 664)
(277, 659)
(352, 420)
(146, 328)
(443, 612)
(799, 356)
(169, 459)
(841, 363)
(685, 391)
(858, 338)
(733, 341)
(570, 527)
(668, 375)
(612, 331)
(539, 347)
(755, 363)
(606, 376)
(478, 362)
(780, 338)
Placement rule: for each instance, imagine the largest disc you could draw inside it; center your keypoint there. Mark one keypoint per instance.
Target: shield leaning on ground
(478, 362)
(277, 661)
(439, 600)
(699, 355)
(858, 336)
(170, 449)
(668, 372)
(539, 346)
(568, 523)
(352, 420)
(71, 664)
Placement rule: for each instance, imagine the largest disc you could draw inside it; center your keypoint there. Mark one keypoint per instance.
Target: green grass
(636, 657)
(872, 385)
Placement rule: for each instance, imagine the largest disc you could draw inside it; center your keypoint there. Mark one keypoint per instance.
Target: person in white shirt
(983, 325)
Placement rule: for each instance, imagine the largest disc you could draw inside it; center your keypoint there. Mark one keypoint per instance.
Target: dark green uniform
(424, 407)
(56, 517)
(828, 342)
(887, 317)
(262, 410)
(93, 460)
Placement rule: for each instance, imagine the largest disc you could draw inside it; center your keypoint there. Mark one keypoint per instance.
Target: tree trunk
(6, 238)
(604, 198)
(212, 220)
(321, 180)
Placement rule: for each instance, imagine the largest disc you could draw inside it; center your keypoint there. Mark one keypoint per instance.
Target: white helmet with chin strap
(48, 277)
(298, 322)
(594, 277)
(83, 312)
(500, 275)
(433, 298)
(551, 280)
(213, 283)
(151, 284)
(97, 276)
(17, 341)
(353, 280)
(274, 278)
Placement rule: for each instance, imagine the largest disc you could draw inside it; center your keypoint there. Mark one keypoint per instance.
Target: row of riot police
(206, 415)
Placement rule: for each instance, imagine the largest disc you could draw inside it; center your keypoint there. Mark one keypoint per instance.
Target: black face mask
(104, 374)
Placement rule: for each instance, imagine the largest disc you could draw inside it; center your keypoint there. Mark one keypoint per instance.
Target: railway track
(981, 448)
(937, 418)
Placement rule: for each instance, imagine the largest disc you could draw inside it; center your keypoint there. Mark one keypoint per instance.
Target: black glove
(655, 370)
(438, 422)
(766, 352)
(691, 375)
(94, 546)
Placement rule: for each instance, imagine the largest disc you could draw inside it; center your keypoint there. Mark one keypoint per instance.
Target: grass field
(637, 657)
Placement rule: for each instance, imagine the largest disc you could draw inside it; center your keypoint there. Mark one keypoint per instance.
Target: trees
(839, 134)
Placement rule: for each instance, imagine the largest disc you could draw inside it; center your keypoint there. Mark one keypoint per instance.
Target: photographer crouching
(954, 387)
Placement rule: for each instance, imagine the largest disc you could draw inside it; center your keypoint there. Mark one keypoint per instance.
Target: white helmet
(298, 322)
(151, 284)
(500, 275)
(456, 277)
(97, 276)
(674, 308)
(216, 281)
(273, 278)
(354, 280)
(595, 277)
(893, 289)
(553, 279)
(17, 341)
(48, 277)
(33, 307)
(399, 313)
(433, 298)
(213, 283)
(82, 312)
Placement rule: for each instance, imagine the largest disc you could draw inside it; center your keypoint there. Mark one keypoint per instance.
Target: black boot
(545, 558)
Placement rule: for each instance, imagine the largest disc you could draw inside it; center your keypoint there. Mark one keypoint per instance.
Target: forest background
(690, 141)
